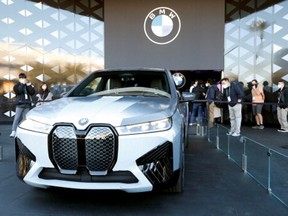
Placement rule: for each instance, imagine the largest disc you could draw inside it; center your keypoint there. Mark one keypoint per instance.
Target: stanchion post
(198, 130)
(1, 152)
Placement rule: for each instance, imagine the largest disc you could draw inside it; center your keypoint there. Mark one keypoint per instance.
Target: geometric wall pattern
(56, 41)
(61, 41)
(256, 40)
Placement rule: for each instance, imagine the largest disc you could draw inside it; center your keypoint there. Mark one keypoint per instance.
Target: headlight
(147, 127)
(36, 126)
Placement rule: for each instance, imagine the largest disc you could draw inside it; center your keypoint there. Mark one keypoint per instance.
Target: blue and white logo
(83, 121)
(162, 25)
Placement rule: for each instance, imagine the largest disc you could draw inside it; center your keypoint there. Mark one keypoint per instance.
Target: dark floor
(214, 186)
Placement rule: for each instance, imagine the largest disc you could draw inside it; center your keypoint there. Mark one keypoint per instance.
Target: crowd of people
(212, 99)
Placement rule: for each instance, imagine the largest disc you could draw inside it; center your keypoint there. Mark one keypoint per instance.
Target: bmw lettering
(162, 25)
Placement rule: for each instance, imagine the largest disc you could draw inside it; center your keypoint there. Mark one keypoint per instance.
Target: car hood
(114, 110)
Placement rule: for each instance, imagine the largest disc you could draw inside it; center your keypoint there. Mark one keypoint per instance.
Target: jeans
(19, 115)
(196, 108)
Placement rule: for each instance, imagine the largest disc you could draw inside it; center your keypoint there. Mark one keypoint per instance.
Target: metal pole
(244, 163)
(198, 130)
(1, 152)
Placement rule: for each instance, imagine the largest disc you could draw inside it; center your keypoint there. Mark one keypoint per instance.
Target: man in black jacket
(197, 108)
(282, 108)
(210, 97)
(24, 91)
(234, 94)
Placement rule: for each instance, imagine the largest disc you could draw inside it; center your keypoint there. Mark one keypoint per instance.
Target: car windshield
(145, 83)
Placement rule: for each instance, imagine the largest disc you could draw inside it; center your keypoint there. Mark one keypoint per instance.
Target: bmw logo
(162, 25)
(83, 121)
(179, 79)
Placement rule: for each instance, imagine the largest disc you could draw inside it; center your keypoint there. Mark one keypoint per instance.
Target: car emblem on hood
(83, 121)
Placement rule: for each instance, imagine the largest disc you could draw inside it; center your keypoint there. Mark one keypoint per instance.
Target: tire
(178, 187)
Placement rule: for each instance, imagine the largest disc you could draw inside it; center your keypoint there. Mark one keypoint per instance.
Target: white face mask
(206, 84)
(225, 86)
(279, 86)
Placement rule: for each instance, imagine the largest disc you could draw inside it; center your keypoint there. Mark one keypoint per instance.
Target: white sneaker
(229, 133)
(13, 133)
(236, 134)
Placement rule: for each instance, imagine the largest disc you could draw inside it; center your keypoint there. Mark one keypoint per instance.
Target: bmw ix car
(118, 129)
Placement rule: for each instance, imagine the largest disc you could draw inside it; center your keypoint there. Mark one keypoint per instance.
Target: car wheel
(179, 175)
(186, 135)
(178, 187)
(186, 127)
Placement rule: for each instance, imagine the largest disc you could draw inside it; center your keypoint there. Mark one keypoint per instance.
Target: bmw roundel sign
(162, 25)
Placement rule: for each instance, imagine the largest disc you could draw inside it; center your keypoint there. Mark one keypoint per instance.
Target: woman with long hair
(44, 94)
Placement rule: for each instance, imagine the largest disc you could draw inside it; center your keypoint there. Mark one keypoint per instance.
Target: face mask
(206, 84)
(279, 86)
(22, 80)
(225, 86)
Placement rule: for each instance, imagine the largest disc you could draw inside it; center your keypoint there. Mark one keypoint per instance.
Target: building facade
(256, 37)
(61, 41)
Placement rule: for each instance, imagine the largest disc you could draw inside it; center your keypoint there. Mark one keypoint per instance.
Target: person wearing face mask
(258, 98)
(210, 97)
(24, 91)
(234, 94)
(197, 108)
(44, 94)
(282, 107)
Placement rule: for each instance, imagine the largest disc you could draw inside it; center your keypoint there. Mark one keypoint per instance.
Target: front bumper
(141, 163)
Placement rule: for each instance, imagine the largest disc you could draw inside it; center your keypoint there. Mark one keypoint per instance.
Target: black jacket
(199, 92)
(283, 97)
(24, 94)
(211, 93)
(235, 92)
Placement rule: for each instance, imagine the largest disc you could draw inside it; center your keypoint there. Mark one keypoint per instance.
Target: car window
(142, 80)
(91, 87)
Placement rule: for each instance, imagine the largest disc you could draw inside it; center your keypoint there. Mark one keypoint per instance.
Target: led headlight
(36, 126)
(147, 127)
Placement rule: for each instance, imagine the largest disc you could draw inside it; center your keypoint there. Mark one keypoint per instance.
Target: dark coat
(24, 94)
(235, 92)
(199, 92)
(211, 93)
(283, 97)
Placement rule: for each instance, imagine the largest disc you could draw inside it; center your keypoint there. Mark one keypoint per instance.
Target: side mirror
(188, 96)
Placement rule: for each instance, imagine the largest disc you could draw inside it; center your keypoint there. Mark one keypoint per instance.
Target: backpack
(218, 98)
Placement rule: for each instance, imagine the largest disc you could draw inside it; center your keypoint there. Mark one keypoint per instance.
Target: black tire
(178, 187)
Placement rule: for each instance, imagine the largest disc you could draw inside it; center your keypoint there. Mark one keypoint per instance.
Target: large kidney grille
(96, 150)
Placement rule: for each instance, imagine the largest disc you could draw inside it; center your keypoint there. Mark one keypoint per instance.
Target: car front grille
(94, 149)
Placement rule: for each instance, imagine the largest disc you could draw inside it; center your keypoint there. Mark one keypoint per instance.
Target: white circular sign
(162, 25)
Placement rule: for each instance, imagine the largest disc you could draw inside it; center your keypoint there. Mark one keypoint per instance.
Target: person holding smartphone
(24, 91)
